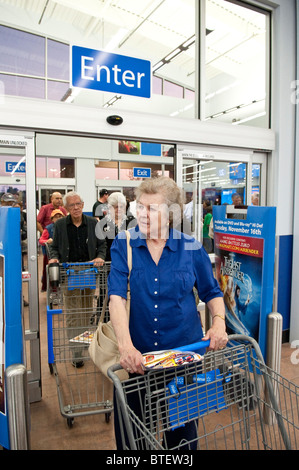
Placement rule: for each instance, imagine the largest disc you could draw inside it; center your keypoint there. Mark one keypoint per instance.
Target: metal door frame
(26, 141)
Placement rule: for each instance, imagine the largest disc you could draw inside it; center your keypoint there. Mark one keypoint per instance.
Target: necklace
(156, 246)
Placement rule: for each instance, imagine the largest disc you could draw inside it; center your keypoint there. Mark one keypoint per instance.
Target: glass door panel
(255, 184)
(208, 183)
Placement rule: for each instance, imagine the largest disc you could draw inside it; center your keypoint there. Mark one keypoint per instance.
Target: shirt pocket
(182, 283)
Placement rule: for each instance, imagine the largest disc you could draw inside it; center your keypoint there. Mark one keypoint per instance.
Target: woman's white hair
(171, 193)
(116, 198)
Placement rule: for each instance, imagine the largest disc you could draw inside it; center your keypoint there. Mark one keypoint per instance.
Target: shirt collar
(69, 220)
(138, 239)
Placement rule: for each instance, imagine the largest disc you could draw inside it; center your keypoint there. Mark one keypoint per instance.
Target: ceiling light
(174, 53)
(249, 118)
(178, 50)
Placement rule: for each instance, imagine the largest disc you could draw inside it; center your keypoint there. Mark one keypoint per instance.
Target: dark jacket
(109, 231)
(59, 249)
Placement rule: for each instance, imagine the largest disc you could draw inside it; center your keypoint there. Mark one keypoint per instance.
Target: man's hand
(98, 262)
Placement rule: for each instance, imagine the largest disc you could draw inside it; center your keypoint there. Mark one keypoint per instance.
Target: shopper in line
(167, 264)
(75, 241)
(100, 207)
(115, 221)
(44, 219)
(48, 233)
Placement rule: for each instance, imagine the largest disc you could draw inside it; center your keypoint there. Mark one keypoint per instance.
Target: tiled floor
(49, 429)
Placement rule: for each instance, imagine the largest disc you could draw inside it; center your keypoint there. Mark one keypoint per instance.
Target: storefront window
(23, 70)
(41, 167)
(236, 68)
(235, 88)
(47, 167)
(106, 170)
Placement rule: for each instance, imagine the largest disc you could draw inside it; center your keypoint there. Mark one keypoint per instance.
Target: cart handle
(194, 346)
(87, 263)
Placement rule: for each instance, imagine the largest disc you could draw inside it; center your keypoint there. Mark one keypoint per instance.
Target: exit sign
(142, 172)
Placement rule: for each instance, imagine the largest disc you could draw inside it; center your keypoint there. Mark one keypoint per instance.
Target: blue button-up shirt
(163, 308)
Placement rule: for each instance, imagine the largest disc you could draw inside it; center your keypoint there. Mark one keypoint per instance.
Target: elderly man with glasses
(75, 241)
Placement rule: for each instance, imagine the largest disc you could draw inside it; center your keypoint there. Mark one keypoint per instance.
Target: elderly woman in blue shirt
(167, 264)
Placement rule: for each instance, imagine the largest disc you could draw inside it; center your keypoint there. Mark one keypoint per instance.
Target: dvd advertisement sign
(244, 263)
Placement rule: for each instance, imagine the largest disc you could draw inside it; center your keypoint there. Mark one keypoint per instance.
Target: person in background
(75, 241)
(206, 240)
(8, 199)
(255, 199)
(47, 235)
(236, 199)
(100, 207)
(44, 215)
(166, 265)
(115, 221)
(44, 219)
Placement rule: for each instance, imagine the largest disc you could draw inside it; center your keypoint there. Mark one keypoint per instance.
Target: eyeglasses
(76, 204)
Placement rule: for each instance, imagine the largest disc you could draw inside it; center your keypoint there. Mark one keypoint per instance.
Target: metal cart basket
(232, 398)
(74, 306)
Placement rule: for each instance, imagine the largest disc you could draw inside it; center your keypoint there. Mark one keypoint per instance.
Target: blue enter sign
(104, 71)
(142, 172)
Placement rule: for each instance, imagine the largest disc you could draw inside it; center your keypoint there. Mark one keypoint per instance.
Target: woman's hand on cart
(216, 335)
(131, 360)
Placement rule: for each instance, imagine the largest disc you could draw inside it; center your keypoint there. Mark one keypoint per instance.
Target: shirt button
(155, 319)
(155, 292)
(156, 306)
(155, 332)
(156, 344)
(156, 280)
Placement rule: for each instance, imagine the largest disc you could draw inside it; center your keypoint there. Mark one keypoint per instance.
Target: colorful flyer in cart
(85, 337)
(166, 359)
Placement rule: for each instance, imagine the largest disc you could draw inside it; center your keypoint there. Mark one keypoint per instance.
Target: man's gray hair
(70, 194)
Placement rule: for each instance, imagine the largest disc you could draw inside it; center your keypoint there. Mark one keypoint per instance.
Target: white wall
(86, 182)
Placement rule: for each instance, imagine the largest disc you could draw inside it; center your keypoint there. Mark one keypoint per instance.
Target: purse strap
(129, 254)
(129, 261)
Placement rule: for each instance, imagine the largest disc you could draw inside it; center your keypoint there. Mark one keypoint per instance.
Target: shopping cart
(232, 398)
(74, 305)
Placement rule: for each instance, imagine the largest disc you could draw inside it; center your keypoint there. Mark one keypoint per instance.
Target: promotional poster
(244, 263)
(239, 269)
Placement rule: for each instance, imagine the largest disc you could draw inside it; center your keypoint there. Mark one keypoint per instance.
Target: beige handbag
(103, 348)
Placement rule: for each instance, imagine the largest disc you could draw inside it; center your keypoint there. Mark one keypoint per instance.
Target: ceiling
(152, 29)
